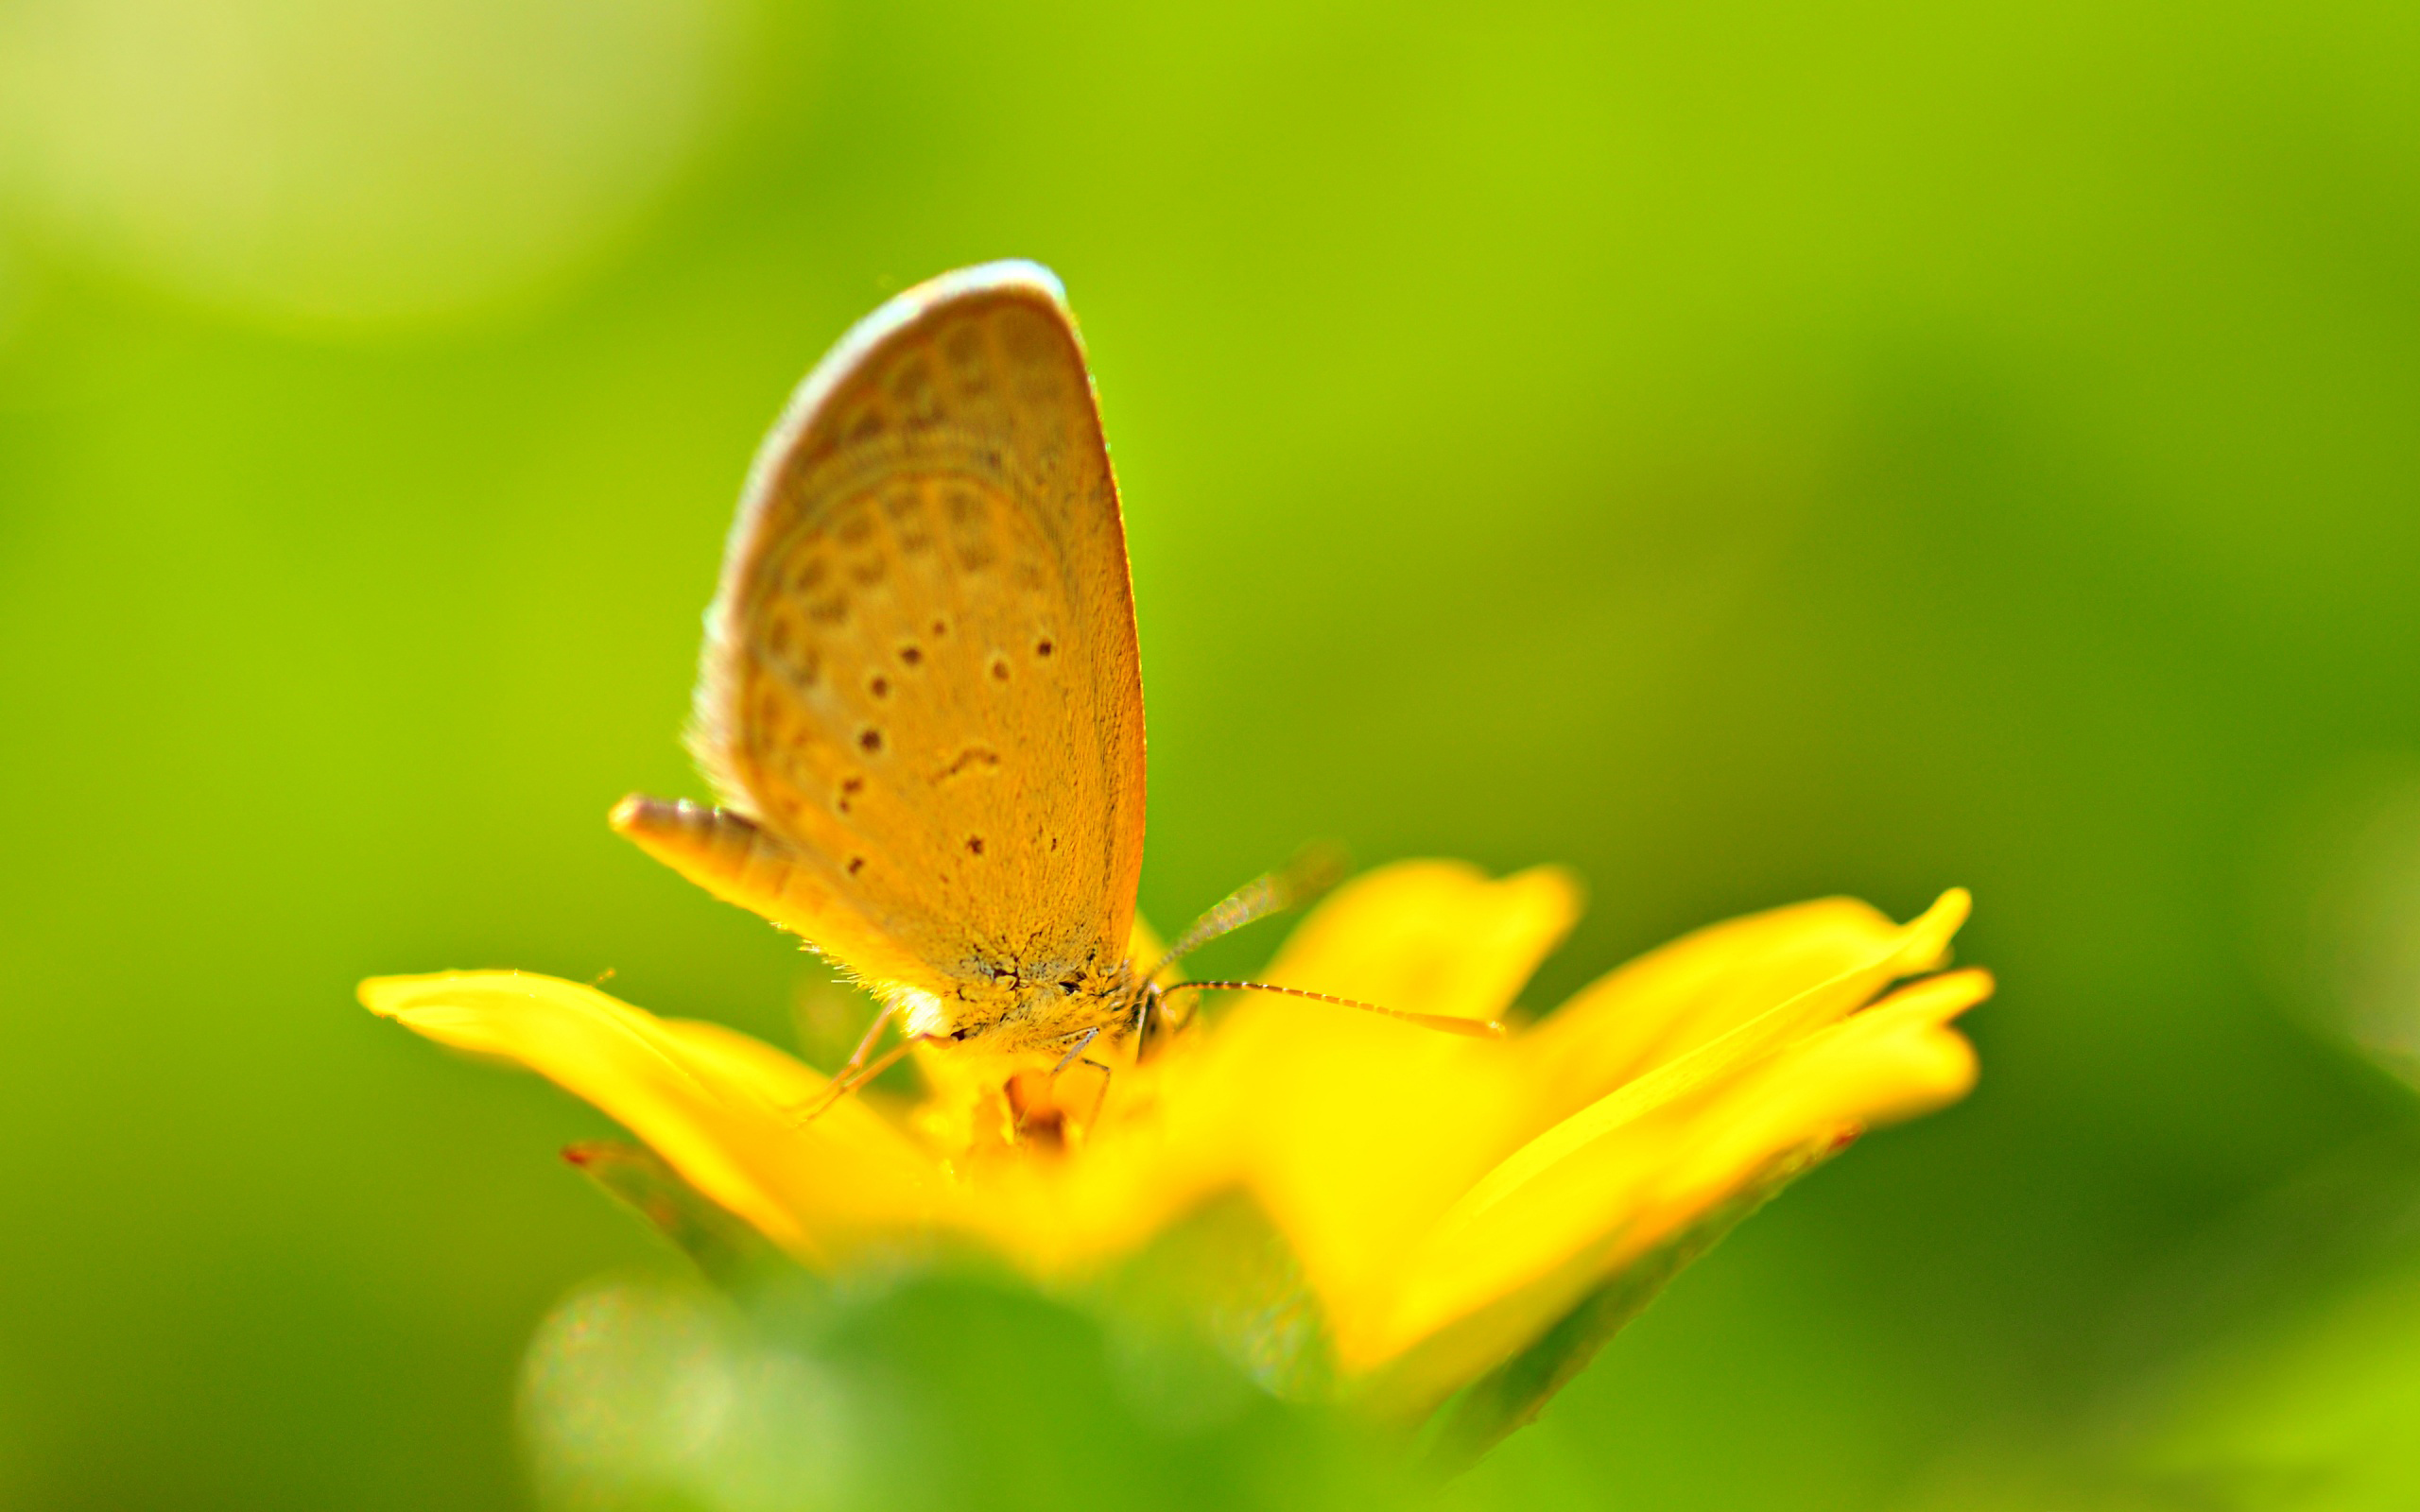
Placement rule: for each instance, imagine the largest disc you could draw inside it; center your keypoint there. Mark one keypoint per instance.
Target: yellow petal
(717, 1105)
(1621, 1176)
(776, 1078)
(1919, 944)
(1891, 1062)
(1430, 936)
(1353, 1130)
(1053, 1217)
(1702, 987)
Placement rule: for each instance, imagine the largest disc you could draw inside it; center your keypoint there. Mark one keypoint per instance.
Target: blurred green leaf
(1219, 1285)
(2320, 1415)
(946, 1390)
(2272, 1367)
(647, 1396)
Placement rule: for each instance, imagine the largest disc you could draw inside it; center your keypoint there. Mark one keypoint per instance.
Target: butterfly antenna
(1441, 1022)
(1314, 870)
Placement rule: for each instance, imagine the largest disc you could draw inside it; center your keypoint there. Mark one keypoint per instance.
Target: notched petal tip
(1929, 934)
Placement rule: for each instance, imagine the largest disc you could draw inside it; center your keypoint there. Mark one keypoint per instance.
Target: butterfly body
(920, 701)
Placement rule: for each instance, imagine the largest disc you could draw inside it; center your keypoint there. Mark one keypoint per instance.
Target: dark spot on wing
(971, 756)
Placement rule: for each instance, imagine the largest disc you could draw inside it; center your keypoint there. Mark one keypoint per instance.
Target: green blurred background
(1743, 451)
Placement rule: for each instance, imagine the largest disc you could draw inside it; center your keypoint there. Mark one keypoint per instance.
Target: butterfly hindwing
(919, 673)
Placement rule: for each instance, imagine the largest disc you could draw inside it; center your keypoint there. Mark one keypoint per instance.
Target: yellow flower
(1448, 1201)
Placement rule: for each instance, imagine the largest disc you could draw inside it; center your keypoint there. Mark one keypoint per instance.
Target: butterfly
(920, 701)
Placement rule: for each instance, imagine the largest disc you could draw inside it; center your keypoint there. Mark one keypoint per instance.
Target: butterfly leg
(1100, 1098)
(865, 1046)
(855, 1073)
(1153, 1023)
(814, 1108)
(1076, 1052)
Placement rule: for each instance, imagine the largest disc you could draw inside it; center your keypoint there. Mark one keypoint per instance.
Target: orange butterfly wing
(921, 701)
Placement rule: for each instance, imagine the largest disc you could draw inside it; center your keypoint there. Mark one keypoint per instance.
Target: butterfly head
(1024, 1006)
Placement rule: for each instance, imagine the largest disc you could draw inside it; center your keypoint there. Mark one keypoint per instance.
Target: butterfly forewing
(919, 673)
